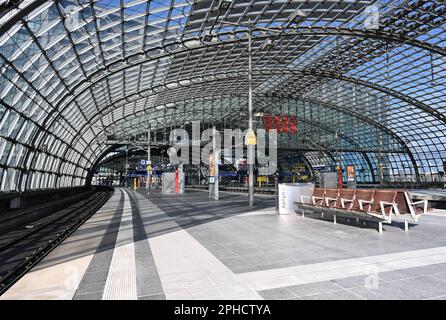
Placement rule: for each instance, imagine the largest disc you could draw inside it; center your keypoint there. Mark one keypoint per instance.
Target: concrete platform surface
(429, 194)
(140, 246)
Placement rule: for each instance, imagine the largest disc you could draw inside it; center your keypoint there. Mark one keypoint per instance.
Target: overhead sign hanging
(251, 139)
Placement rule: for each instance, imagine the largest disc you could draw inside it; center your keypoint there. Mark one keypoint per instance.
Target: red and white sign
(282, 123)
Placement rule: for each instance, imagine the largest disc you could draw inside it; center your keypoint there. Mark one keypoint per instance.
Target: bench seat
(377, 205)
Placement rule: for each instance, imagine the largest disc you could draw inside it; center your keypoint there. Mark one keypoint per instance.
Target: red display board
(293, 124)
(282, 123)
(285, 124)
(277, 123)
(268, 122)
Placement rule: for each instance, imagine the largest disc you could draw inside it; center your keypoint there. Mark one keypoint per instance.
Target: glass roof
(70, 69)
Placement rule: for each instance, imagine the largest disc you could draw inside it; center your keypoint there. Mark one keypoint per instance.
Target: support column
(251, 156)
(149, 162)
(216, 158)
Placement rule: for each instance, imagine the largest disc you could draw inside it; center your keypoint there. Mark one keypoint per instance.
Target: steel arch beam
(306, 31)
(369, 121)
(360, 117)
(127, 62)
(374, 86)
(296, 31)
(33, 5)
(143, 57)
(369, 34)
(382, 89)
(159, 89)
(216, 77)
(97, 161)
(308, 163)
(238, 74)
(369, 163)
(376, 125)
(85, 84)
(317, 124)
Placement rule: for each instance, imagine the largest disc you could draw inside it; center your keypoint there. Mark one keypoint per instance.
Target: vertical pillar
(276, 187)
(176, 181)
(149, 163)
(251, 155)
(211, 176)
(216, 152)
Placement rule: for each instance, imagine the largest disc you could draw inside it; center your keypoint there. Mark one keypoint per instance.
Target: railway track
(23, 248)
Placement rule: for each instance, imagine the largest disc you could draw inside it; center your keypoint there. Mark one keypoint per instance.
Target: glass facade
(365, 79)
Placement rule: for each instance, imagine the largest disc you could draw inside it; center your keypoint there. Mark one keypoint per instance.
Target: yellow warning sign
(251, 138)
(149, 168)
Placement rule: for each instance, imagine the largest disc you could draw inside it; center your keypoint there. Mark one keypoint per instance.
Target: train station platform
(156, 246)
(437, 195)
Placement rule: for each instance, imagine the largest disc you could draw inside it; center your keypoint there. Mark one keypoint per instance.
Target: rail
(23, 249)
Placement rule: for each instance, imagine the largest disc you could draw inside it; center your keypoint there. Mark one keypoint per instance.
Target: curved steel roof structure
(369, 72)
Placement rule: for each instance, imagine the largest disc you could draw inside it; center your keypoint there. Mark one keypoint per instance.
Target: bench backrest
(362, 194)
(386, 196)
(331, 193)
(348, 194)
(318, 192)
(401, 201)
(409, 208)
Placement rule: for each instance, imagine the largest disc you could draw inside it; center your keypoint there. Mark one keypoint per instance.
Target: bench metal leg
(406, 225)
(380, 227)
(334, 219)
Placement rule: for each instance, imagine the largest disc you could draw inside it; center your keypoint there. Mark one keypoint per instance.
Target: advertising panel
(351, 175)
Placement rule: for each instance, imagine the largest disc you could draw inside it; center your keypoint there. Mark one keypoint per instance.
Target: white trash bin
(290, 193)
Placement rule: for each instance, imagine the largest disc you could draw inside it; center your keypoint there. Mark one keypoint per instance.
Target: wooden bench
(407, 207)
(377, 205)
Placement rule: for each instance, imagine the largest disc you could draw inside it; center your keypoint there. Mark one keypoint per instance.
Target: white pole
(216, 157)
(250, 147)
(148, 163)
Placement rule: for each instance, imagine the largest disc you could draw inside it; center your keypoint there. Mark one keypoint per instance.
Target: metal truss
(234, 74)
(70, 69)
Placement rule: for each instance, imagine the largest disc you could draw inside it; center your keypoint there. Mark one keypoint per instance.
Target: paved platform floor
(189, 247)
(429, 194)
